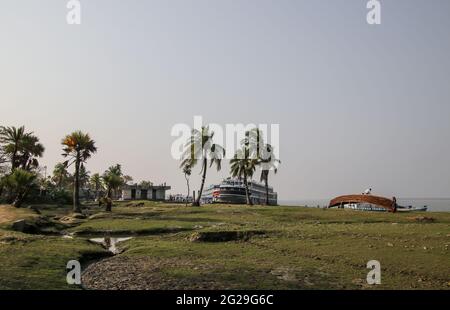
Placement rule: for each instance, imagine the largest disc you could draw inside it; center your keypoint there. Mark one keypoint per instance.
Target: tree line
(21, 176)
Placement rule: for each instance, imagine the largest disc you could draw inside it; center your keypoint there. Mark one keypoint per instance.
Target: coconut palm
(187, 173)
(78, 147)
(20, 182)
(60, 175)
(112, 181)
(84, 176)
(117, 171)
(30, 150)
(11, 139)
(96, 183)
(200, 147)
(254, 142)
(20, 147)
(127, 179)
(243, 167)
(146, 184)
(268, 163)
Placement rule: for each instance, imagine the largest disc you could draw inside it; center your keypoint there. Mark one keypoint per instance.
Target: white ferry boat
(232, 190)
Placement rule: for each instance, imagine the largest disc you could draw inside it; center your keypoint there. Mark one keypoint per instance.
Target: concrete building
(137, 192)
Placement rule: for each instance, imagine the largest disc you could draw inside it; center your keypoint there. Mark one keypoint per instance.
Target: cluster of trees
(19, 161)
(254, 153)
(21, 175)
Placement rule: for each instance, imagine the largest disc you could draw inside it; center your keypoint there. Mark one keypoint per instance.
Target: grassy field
(228, 247)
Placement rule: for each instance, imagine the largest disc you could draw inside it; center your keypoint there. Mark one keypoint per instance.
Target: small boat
(412, 209)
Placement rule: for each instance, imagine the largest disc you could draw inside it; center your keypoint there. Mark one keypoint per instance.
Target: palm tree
(79, 147)
(20, 181)
(243, 166)
(187, 173)
(268, 162)
(201, 147)
(60, 175)
(11, 139)
(127, 179)
(84, 176)
(112, 182)
(30, 150)
(84, 181)
(254, 142)
(96, 184)
(146, 184)
(117, 171)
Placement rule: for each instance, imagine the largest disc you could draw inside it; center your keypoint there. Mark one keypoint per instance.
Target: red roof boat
(378, 202)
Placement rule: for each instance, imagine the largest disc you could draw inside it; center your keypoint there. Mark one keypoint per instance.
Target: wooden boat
(364, 203)
(370, 203)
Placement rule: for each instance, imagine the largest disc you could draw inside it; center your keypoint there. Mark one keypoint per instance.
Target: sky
(358, 105)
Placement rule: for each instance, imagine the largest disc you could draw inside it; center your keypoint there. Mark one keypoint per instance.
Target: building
(233, 191)
(137, 192)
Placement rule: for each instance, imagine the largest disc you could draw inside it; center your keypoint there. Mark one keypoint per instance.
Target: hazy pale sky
(358, 105)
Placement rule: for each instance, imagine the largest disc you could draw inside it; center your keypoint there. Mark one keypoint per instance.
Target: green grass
(302, 248)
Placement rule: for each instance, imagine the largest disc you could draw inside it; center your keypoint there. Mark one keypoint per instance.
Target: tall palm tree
(96, 184)
(243, 167)
(187, 170)
(79, 147)
(200, 147)
(268, 163)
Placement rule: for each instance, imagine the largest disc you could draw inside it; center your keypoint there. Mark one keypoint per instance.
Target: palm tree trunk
(187, 182)
(205, 166)
(14, 158)
(266, 183)
(247, 192)
(20, 198)
(76, 186)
